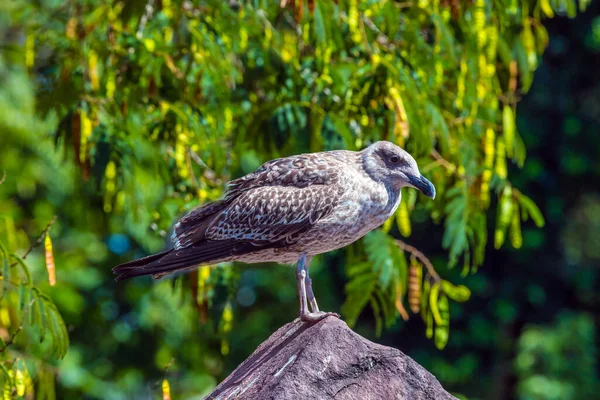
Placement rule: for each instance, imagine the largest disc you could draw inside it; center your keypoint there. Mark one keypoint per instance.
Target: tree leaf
(508, 125)
(532, 209)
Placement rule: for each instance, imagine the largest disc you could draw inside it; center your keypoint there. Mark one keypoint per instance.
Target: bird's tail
(139, 267)
(170, 261)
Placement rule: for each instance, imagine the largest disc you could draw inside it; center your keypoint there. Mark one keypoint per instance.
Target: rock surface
(327, 360)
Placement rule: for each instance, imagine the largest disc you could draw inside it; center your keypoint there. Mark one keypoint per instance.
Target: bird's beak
(423, 185)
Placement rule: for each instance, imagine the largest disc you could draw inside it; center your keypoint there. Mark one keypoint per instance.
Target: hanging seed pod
(442, 329)
(166, 390)
(415, 278)
(50, 260)
(403, 219)
(433, 303)
(508, 126)
(516, 236)
(503, 220)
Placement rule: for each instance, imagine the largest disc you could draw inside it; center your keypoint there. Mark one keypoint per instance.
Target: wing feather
(271, 214)
(282, 194)
(296, 171)
(270, 208)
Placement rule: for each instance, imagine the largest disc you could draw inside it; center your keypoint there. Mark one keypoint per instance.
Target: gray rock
(327, 360)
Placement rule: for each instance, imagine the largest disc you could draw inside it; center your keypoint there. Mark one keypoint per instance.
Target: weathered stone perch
(327, 360)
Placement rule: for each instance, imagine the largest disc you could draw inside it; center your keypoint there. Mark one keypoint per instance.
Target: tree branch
(421, 257)
(39, 240)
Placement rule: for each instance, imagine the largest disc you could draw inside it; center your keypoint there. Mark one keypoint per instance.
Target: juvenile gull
(289, 210)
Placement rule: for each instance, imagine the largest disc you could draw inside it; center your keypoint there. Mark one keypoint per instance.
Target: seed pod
(50, 260)
(433, 303)
(403, 219)
(501, 170)
(429, 329)
(415, 277)
(398, 302)
(93, 70)
(508, 126)
(516, 237)
(505, 213)
(442, 329)
(166, 390)
(458, 293)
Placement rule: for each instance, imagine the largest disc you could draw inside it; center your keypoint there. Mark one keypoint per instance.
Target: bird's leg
(304, 283)
(300, 280)
(312, 301)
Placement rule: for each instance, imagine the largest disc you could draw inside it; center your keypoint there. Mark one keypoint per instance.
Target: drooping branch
(421, 257)
(39, 239)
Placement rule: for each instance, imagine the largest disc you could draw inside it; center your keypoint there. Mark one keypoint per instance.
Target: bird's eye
(394, 159)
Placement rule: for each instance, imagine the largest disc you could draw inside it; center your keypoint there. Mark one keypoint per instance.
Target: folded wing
(255, 219)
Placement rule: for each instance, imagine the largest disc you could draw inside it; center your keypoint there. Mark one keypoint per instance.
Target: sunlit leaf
(50, 260)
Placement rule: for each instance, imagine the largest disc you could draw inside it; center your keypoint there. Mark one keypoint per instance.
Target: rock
(327, 360)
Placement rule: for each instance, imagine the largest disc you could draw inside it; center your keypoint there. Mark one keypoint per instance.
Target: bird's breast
(364, 206)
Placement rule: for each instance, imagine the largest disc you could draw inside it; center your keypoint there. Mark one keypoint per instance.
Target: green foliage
(129, 115)
(27, 317)
(379, 280)
(541, 362)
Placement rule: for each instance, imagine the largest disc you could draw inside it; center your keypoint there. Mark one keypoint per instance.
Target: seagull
(289, 210)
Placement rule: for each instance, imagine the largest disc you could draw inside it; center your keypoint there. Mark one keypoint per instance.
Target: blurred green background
(118, 117)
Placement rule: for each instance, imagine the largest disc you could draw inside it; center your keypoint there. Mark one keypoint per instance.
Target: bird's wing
(261, 218)
(269, 208)
(302, 171)
(191, 227)
(296, 171)
(265, 216)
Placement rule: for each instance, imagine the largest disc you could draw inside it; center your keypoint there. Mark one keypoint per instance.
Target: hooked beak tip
(423, 185)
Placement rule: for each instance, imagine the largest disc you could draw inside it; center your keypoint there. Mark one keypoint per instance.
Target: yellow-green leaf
(508, 126)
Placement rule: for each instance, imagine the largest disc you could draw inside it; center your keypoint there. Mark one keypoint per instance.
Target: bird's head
(389, 164)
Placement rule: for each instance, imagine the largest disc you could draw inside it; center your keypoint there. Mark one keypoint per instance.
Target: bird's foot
(317, 316)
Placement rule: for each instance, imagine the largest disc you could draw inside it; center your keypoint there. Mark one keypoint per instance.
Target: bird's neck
(394, 197)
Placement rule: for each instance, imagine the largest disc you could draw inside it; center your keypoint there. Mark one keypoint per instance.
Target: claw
(317, 316)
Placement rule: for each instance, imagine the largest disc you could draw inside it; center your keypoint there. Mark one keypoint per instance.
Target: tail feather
(170, 261)
(136, 267)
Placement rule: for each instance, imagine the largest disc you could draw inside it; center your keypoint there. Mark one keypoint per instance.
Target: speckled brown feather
(268, 209)
(305, 204)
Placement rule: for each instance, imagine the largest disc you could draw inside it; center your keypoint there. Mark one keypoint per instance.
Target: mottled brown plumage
(289, 210)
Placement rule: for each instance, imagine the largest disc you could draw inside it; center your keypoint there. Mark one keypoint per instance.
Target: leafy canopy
(159, 103)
